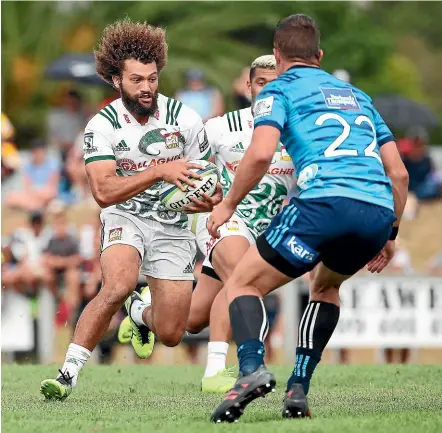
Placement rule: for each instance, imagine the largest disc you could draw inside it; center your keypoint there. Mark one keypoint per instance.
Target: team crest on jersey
(115, 234)
(149, 139)
(263, 107)
(340, 99)
(172, 140)
(232, 226)
(89, 143)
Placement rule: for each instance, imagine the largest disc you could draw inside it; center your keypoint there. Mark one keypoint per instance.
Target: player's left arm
(270, 117)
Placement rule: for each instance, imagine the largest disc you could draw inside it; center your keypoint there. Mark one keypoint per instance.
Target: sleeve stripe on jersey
(234, 121)
(239, 120)
(269, 123)
(115, 115)
(111, 115)
(100, 158)
(228, 119)
(106, 116)
(178, 112)
(385, 140)
(168, 110)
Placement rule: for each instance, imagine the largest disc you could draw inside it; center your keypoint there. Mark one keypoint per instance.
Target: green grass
(143, 398)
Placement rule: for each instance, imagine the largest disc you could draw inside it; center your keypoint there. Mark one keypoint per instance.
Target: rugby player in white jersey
(131, 147)
(229, 137)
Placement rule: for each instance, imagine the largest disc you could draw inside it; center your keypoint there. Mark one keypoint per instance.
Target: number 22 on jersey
(333, 149)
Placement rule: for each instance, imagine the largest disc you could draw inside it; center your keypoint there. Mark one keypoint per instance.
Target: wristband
(393, 234)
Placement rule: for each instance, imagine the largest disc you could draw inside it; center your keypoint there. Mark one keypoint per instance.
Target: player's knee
(325, 293)
(113, 297)
(170, 337)
(197, 321)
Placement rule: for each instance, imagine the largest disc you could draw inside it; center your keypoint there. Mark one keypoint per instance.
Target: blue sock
(251, 356)
(306, 362)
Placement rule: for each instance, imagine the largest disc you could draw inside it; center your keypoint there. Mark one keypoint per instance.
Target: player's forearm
(400, 192)
(115, 189)
(250, 171)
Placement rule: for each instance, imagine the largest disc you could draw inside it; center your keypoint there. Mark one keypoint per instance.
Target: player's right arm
(108, 188)
(393, 165)
(396, 171)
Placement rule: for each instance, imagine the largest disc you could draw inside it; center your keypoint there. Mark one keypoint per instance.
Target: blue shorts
(343, 233)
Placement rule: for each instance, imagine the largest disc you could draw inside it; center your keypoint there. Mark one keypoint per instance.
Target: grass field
(398, 399)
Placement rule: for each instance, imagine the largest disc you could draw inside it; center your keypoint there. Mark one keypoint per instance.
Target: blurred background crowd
(50, 222)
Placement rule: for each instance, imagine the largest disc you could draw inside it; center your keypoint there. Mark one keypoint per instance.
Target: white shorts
(167, 252)
(206, 243)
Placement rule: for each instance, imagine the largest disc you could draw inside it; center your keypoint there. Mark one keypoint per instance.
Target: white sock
(76, 357)
(216, 357)
(136, 311)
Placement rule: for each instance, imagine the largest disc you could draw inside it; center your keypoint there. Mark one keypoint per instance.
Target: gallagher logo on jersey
(340, 99)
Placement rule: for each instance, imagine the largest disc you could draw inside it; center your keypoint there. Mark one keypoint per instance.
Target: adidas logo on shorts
(188, 269)
(237, 148)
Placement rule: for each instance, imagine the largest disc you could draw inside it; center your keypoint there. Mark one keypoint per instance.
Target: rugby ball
(174, 199)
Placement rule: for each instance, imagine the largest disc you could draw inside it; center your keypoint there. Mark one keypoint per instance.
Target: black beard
(131, 103)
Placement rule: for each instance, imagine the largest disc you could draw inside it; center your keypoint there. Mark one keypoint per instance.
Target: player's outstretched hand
(207, 203)
(220, 215)
(383, 258)
(177, 172)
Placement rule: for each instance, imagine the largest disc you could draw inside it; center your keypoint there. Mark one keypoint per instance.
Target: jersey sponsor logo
(126, 118)
(115, 234)
(203, 142)
(157, 115)
(340, 99)
(237, 148)
(130, 165)
(89, 143)
(172, 140)
(300, 250)
(288, 171)
(263, 107)
(284, 154)
(250, 123)
(149, 139)
(122, 147)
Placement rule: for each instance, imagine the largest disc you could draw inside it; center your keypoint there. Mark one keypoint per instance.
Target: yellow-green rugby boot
(143, 339)
(57, 389)
(125, 328)
(221, 382)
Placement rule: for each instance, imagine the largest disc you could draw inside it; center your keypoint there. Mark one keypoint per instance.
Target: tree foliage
(219, 37)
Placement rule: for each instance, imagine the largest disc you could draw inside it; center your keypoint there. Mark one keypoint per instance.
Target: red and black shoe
(295, 403)
(246, 389)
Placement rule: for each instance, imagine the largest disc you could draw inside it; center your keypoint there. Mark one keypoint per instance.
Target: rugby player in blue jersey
(352, 192)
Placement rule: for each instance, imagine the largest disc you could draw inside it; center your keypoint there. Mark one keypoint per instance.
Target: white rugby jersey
(229, 137)
(175, 131)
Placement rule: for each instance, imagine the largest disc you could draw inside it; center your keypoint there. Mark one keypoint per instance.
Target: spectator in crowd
(241, 94)
(61, 259)
(424, 182)
(26, 271)
(207, 101)
(10, 157)
(72, 115)
(40, 177)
